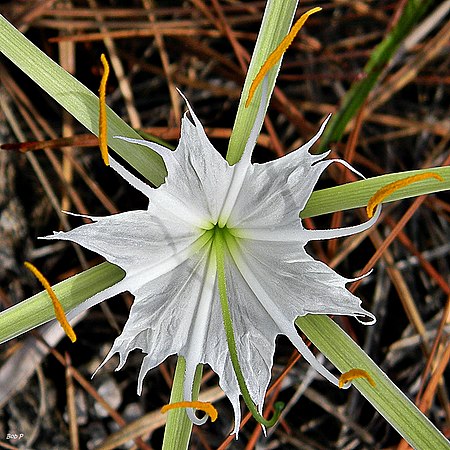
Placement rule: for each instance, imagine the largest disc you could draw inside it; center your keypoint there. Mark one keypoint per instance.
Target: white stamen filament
(241, 167)
(197, 337)
(286, 327)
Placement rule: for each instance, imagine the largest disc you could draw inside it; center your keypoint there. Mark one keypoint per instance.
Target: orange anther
(102, 122)
(59, 311)
(278, 53)
(207, 407)
(352, 375)
(390, 188)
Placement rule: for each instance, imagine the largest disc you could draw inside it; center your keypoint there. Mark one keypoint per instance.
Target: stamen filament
(278, 53)
(102, 125)
(354, 374)
(206, 407)
(390, 188)
(220, 244)
(59, 311)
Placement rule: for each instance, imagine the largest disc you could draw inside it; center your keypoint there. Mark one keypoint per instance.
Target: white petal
(297, 233)
(266, 286)
(333, 233)
(299, 284)
(274, 193)
(162, 314)
(198, 176)
(101, 296)
(129, 177)
(134, 240)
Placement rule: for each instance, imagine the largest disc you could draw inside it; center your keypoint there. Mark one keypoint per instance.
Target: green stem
(219, 246)
(179, 427)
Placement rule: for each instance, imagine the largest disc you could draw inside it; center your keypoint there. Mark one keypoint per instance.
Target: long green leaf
(275, 26)
(388, 400)
(38, 309)
(78, 100)
(178, 429)
(382, 54)
(358, 193)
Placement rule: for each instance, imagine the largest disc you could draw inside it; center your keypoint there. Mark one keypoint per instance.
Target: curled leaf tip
(102, 125)
(278, 53)
(390, 188)
(59, 311)
(354, 374)
(206, 407)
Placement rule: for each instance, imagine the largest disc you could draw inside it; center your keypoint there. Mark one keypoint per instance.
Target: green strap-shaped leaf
(178, 429)
(388, 400)
(78, 100)
(358, 193)
(38, 309)
(358, 93)
(275, 25)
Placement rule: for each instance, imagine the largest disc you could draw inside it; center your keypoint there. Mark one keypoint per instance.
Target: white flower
(166, 252)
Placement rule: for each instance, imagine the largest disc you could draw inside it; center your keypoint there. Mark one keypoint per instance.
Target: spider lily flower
(168, 254)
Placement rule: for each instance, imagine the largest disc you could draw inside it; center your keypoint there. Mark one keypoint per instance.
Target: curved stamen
(390, 188)
(59, 311)
(219, 244)
(102, 125)
(353, 374)
(207, 407)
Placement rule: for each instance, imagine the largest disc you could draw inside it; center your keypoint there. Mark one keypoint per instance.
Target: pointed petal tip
(110, 354)
(196, 120)
(146, 366)
(54, 236)
(308, 144)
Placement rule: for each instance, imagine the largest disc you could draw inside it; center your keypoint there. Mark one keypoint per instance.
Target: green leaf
(388, 400)
(275, 25)
(78, 100)
(179, 427)
(382, 54)
(38, 309)
(358, 193)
